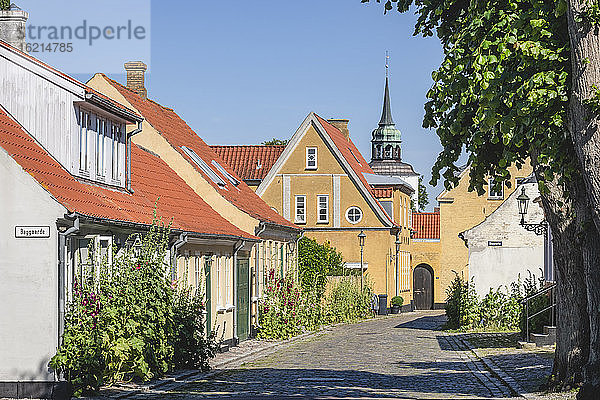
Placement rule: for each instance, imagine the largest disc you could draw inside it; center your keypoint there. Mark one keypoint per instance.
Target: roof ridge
(136, 93)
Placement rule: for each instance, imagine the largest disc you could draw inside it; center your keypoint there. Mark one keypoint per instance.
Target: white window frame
(84, 118)
(495, 195)
(114, 150)
(308, 162)
(296, 209)
(100, 148)
(228, 281)
(348, 212)
(323, 206)
(219, 284)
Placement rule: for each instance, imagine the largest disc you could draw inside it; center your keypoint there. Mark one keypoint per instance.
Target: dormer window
(311, 158)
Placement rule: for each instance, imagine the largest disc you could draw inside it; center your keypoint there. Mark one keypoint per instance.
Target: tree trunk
(585, 132)
(572, 333)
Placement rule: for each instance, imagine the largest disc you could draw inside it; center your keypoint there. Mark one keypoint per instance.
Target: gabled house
(501, 249)
(461, 209)
(321, 182)
(71, 176)
(167, 135)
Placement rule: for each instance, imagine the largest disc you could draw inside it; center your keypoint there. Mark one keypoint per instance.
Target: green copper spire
(386, 114)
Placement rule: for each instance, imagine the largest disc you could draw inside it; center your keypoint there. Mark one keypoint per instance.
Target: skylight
(204, 166)
(356, 158)
(226, 174)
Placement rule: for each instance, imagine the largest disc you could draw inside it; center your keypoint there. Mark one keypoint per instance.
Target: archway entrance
(423, 287)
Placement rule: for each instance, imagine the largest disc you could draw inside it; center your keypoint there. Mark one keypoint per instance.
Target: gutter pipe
(181, 240)
(135, 132)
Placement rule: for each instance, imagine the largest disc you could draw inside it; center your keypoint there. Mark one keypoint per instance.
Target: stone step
(541, 339)
(550, 330)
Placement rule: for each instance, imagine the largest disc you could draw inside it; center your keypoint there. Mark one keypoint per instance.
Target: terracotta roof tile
(152, 182)
(250, 162)
(382, 192)
(426, 225)
(177, 132)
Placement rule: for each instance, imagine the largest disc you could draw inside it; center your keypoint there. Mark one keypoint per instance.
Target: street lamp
(523, 202)
(361, 242)
(397, 243)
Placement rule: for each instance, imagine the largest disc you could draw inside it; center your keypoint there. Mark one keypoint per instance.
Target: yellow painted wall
(429, 253)
(461, 210)
(379, 250)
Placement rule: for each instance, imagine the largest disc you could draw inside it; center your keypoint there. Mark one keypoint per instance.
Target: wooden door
(243, 299)
(423, 287)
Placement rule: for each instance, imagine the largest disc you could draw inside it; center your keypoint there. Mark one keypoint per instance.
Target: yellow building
(321, 182)
(428, 291)
(461, 210)
(231, 272)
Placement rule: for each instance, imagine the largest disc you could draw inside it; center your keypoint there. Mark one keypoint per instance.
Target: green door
(243, 299)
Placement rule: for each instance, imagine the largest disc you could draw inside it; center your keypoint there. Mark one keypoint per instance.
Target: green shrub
(347, 303)
(125, 320)
(4, 4)
(462, 304)
(397, 301)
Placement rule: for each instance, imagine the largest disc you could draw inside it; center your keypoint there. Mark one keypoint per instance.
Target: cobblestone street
(396, 357)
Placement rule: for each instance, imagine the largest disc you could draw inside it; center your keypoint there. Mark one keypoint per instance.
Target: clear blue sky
(241, 72)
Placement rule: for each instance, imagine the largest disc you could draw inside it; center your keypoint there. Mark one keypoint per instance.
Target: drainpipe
(135, 132)
(261, 228)
(183, 238)
(62, 238)
(236, 248)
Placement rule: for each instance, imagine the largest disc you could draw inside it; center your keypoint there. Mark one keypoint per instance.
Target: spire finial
(387, 59)
(386, 115)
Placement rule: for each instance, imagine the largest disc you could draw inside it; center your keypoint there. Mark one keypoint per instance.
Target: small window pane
(311, 157)
(354, 215)
(300, 209)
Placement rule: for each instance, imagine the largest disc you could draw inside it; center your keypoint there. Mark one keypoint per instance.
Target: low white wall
(28, 277)
(498, 266)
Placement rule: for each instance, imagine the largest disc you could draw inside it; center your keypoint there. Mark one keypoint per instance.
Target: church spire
(386, 114)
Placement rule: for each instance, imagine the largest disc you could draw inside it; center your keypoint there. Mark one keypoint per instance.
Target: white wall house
(500, 249)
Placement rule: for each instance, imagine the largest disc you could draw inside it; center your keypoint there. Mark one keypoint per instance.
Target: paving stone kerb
(398, 357)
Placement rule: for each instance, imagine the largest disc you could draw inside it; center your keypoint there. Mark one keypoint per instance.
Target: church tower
(386, 152)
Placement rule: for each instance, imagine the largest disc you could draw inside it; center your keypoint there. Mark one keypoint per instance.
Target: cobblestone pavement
(397, 357)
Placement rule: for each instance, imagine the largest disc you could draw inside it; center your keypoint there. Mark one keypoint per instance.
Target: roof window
(226, 174)
(204, 166)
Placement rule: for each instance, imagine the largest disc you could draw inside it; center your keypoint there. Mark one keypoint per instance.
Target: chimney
(342, 125)
(12, 27)
(135, 77)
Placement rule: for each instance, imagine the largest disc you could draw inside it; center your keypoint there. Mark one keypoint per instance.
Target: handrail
(552, 306)
(538, 293)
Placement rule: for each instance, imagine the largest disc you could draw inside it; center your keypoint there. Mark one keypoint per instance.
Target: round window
(354, 215)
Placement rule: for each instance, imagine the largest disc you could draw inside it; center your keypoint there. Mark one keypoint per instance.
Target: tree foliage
(502, 88)
(422, 195)
(275, 142)
(4, 4)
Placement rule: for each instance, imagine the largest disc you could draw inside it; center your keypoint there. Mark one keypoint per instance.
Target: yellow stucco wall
(461, 210)
(379, 250)
(429, 253)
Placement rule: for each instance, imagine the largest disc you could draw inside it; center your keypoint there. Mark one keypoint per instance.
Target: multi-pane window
(84, 124)
(228, 279)
(354, 215)
(322, 208)
(219, 285)
(100, 134)
(115, 137)
(197, 272)
(311, 158)
(300, 209)
(495, 192)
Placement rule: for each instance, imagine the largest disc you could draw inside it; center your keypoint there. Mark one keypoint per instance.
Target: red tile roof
(152, 181)
(86, 88)
(426, 225)
(382, 192)
(250, 162)
(177, 132)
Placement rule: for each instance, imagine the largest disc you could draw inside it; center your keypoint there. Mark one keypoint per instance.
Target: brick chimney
(342, 125)
(12, 27)
(135, 77)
